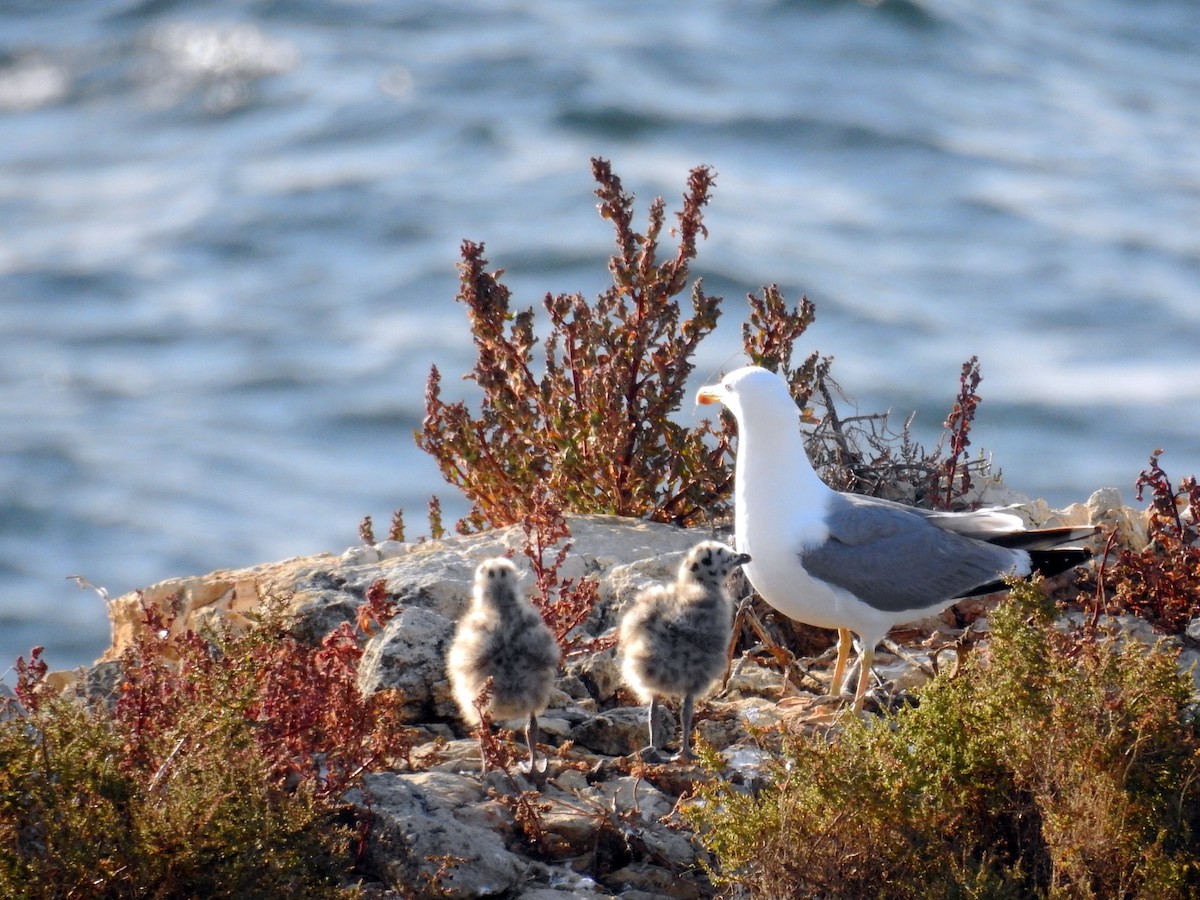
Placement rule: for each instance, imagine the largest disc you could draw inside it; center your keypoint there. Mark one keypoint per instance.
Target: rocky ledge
(603, 823)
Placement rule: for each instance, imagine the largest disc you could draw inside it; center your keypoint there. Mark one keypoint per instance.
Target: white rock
(410, 656)
(600, 672)
(748, 678)
(414, 824)
(1106, 510)
(750, 760)
(360, 555)
(392, 549)
(571, 780)
(631, 793)
(552, 726)
(618, 731)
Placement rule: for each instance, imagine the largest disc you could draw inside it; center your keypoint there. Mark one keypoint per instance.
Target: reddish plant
(396, 530)
(30, 678)
(1173, 513)
(958, 427)
(595, 428)
(164, 679)
(769, 335)
(313, 721)
(496, 754)
(218, 769)
(366, 531)
(1161, 583)
(376, 610)
(436, 530)
(310, 722)
(564, 603)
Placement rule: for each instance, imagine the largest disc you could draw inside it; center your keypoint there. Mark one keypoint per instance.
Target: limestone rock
(616, 732)
(1192, 631)
(324, 590)
(642, 880)
(415, 831)
(634, 794)
(600, 673)
(748, 678)
(1106, 510)
(409, 655)
(580, 887)
(723, 723)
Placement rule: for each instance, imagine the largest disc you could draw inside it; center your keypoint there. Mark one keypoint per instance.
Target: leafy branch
(595, 428)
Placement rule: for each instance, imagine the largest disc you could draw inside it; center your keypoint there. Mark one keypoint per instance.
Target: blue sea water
(228, 234)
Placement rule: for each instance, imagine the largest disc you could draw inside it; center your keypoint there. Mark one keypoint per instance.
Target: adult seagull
(854, 563)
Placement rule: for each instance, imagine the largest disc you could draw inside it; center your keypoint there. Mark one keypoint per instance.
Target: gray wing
(894, 559)
(996, 525)
(982, 524)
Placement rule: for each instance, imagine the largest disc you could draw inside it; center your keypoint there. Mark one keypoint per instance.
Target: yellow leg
(864, 676)
(845, 643)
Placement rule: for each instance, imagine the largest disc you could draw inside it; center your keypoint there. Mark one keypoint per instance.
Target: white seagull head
(753, 389)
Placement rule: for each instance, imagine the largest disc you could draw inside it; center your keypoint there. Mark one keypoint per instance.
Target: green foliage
(215, 771)
(1058, 763)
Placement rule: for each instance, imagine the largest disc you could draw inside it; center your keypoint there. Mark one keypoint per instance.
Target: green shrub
(1058, 763)
(216, 770)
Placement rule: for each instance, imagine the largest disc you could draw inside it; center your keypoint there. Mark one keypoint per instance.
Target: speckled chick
(674, 639)
(503, 637)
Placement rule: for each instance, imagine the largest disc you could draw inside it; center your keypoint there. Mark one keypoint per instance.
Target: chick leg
(685, 721)
(531, 739)
(651, 753)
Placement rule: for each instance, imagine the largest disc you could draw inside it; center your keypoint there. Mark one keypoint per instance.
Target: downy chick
(503, 637)
(674, 639)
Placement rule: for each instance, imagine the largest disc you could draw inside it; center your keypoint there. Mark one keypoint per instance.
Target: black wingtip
(1046, 538)
(1049, 563)
(1046, 563)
